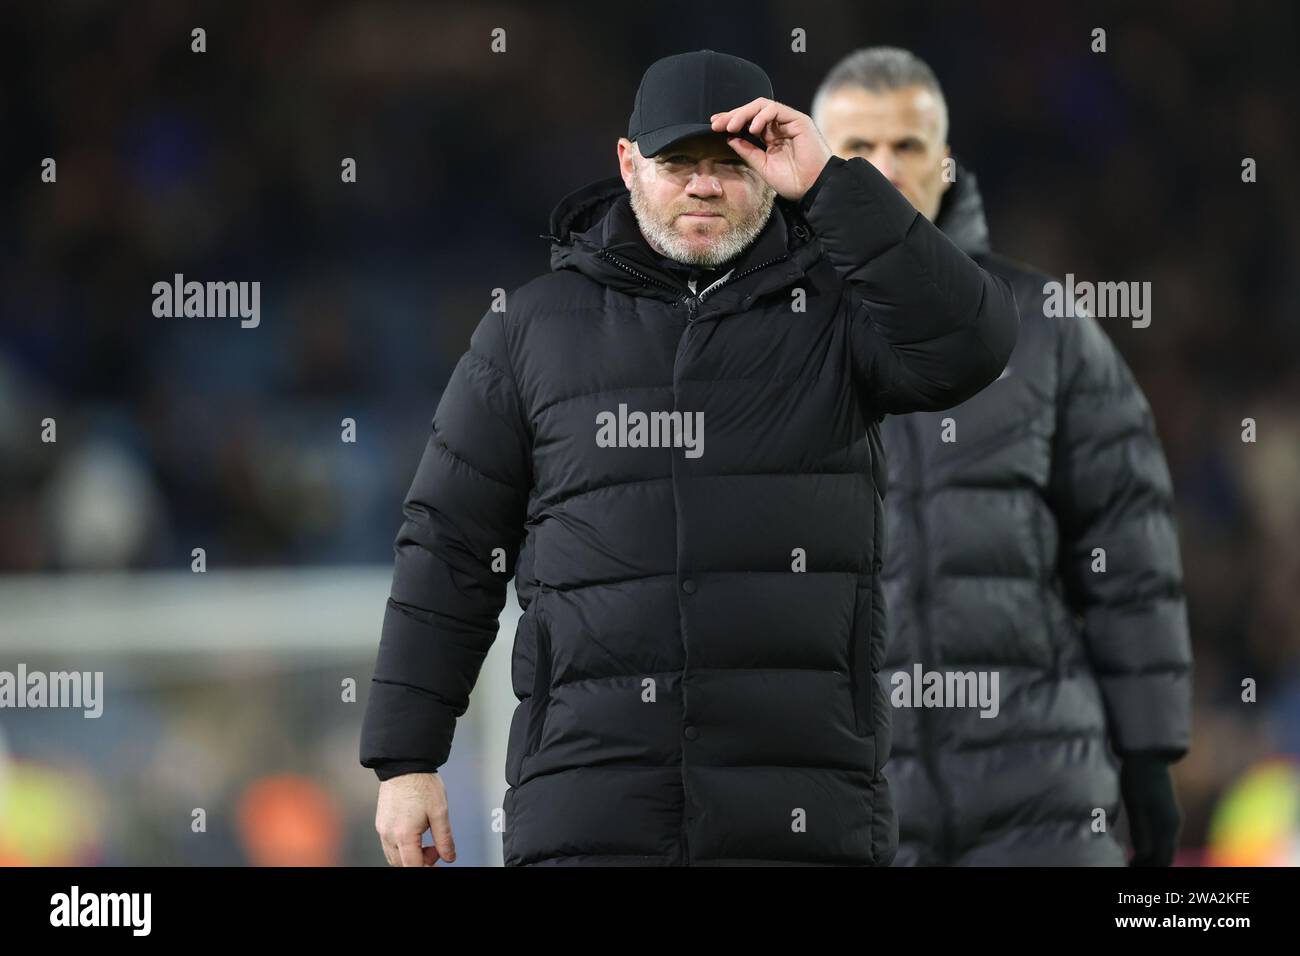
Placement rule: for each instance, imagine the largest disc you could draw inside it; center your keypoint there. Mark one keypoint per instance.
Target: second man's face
(900, 132)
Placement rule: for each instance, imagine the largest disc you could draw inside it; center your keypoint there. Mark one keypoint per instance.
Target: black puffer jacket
(990, 568)
(696, 662)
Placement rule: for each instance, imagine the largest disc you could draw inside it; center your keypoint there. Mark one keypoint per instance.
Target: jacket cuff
(403, 725)
(855, 212)
(1149, 713)
(387, 769)
(806, 200)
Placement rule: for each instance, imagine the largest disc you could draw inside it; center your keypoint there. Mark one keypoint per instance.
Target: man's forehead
(912, 107)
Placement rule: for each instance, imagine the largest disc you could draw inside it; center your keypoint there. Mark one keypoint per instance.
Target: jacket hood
(583, 208)
(961, 214)
(592, 225)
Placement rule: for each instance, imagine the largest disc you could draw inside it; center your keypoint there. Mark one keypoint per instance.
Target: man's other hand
(408, 805)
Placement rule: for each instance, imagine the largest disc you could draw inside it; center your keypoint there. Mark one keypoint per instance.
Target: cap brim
(656, 141)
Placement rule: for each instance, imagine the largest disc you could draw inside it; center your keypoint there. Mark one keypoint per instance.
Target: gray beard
(723, 249)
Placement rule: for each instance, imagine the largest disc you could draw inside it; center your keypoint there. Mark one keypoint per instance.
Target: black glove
(1153, 815)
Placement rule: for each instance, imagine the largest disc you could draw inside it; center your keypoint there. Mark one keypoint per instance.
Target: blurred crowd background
(225, 165)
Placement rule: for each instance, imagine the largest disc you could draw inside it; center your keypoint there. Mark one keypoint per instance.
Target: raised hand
(796, 151)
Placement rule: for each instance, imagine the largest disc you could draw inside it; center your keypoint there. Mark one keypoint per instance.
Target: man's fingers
(759, 114)
(733, 121)
(754, 104)
(409, 849)
(751, 154)
(736, 122)
(739, 117)
(766, 115)
(440, 827)
(385, 843)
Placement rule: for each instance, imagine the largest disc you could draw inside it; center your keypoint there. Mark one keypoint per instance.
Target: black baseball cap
(679, 93)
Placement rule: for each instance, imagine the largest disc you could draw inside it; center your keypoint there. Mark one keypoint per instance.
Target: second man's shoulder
(1029, 285)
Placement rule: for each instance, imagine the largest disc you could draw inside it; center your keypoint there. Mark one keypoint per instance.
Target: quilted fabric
(992, 566)
(696, 665)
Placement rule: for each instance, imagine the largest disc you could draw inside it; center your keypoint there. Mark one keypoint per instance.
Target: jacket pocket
(540, 699)
(530, 713)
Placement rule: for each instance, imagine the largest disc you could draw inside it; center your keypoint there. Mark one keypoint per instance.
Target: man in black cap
(696, 230)
(696, 665)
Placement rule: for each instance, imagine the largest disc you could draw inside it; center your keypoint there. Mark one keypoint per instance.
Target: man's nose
(885, 161)
(704, 184)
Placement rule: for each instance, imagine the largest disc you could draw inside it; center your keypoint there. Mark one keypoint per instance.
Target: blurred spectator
(289, 821)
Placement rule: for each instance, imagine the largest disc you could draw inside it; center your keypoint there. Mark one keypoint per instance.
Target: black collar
(594, 231)
(624, 237)
(961, 214)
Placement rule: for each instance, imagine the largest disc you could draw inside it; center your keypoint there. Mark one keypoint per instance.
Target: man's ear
(627, 154)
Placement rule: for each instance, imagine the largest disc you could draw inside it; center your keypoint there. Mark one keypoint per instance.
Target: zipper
(727, 279)
(926, 719)
(636, 272)
(693, 301)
